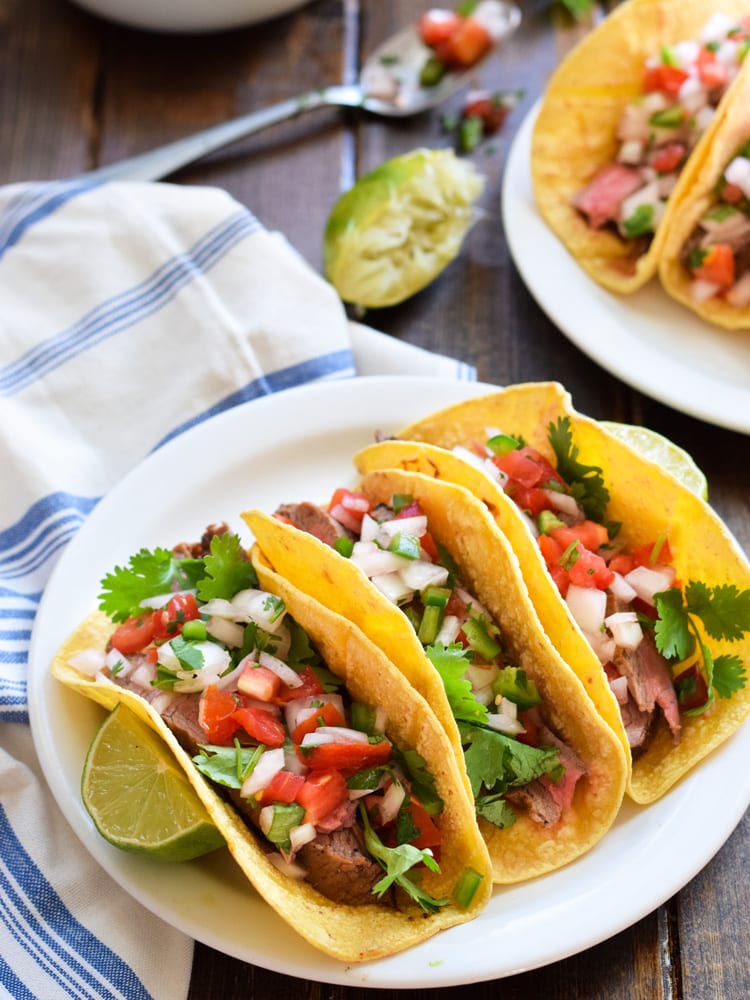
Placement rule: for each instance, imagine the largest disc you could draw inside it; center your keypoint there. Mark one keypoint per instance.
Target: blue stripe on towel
(40, 923)
(129, 307)
(34, 203)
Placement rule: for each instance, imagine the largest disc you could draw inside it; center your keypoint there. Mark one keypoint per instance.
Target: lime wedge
(399, 226)
(663, 452)
(139, 797)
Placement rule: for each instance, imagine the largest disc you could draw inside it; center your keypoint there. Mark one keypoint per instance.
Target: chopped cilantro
(228, 766)
(497, 762)
(147, 574)
(227, 569)
(451, 663)
(586, 482)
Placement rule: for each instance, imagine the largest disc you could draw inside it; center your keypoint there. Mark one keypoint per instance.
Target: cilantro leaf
(578, 8)
(451, 663)
(187, 653)
(227, 569)
(674, 639)
(498, 762)
(147, 574)
(227, 765)
(397, 861)
(586, 482)
(422, 781)
(724, 610)
(729, 675)
(495, 810)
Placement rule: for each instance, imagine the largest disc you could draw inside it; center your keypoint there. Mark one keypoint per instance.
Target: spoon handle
(165, 160)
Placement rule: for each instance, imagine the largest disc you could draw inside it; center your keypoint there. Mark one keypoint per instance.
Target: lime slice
(139, 797)
(663, 452)
(400, 226)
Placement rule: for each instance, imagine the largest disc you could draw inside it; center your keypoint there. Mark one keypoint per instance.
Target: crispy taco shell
(647, 500)
(694, 195)
(463, 525)
(574, 134)
(348, 933)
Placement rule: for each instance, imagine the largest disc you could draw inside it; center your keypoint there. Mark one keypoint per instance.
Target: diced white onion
(390, 803)
(334, 734)
(470, 457)
(625, 628)
(647, 582)
(739, 294)
(631, 151)
(716, 28)
(504, 724)
(369, 528)
(228, 682)
(270, 763)
(143, 675)
(392, 586)
(448, 630)
(301, 835)
(701, 291)
(260, 607)
(480, 677)
(621, 589)
(588, 606)
(374, 561)
(619, 687)
(477, 608)
(289, 868)
(290, 677)
(416, 526)
(419, 574)
(265, 818)
(226, 631)
(602, 644)
(738, 172)
(563, 502)
(686, 52)
(299, 709)
(493, 17)
(90, 661)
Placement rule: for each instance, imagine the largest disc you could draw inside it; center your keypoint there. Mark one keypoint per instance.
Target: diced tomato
(590, 570)
(731, 194)
(321, 792)
(691, 687)
(667, 79)
(429, 833)
(326, 715)
(669, 157)
(428, 544)
(530, 736)
(258, 682)
(492, 111)
(133, 635)
(356, 504)
(216, 714)
(533, 500)
(345, 756)
(310, 685)
(643, 555)
(284, 786)
(561, 578)
(168, 621)
(151, 654)
(466, 45)
(552, 550)
(410, 510)
(711, 71)
(261, 725)
(589, 533)
(521, 465)
(456, 606)
(717, 266)
(437, 25)
(622, 563)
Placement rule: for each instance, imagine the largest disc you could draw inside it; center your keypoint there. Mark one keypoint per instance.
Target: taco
(640, 586)
(705, 262)
(329, 777)
(404, 558)
(622, 114)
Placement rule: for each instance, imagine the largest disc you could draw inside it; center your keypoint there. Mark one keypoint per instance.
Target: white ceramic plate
(298, 445)
(647, 339)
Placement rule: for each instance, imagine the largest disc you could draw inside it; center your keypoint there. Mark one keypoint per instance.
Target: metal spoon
(402, 56)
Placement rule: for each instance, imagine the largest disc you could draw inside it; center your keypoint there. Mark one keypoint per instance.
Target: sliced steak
(199, 550)
(637, 724)
(312, 519)
(650, 681)
(181, 715)
(536, 800)
(339, 867)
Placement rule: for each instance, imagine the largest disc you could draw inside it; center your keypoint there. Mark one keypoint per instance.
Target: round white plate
(647, 339)
(294, 445)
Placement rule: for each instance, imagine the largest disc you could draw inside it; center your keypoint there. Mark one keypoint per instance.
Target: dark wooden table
(77, 92)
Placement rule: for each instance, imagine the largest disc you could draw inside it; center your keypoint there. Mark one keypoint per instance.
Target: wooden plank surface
(76, 92)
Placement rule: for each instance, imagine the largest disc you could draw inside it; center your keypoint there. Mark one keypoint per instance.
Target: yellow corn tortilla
(574, 134)
(462, 524)
(646, 499)
(348, 933)
(694, 195)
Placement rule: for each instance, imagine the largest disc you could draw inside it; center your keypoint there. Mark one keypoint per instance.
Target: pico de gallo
(717, 254)
(514, 760)
(682, 87)
(238, 682)
(637, 616)
(459, 38)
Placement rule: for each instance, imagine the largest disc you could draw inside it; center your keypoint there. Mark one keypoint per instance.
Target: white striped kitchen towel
(128, 313)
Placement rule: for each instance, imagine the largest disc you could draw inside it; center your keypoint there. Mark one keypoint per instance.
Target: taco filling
(516, 763)
(640, 620)
(682, 87)
(238, 682)
(717, 254)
